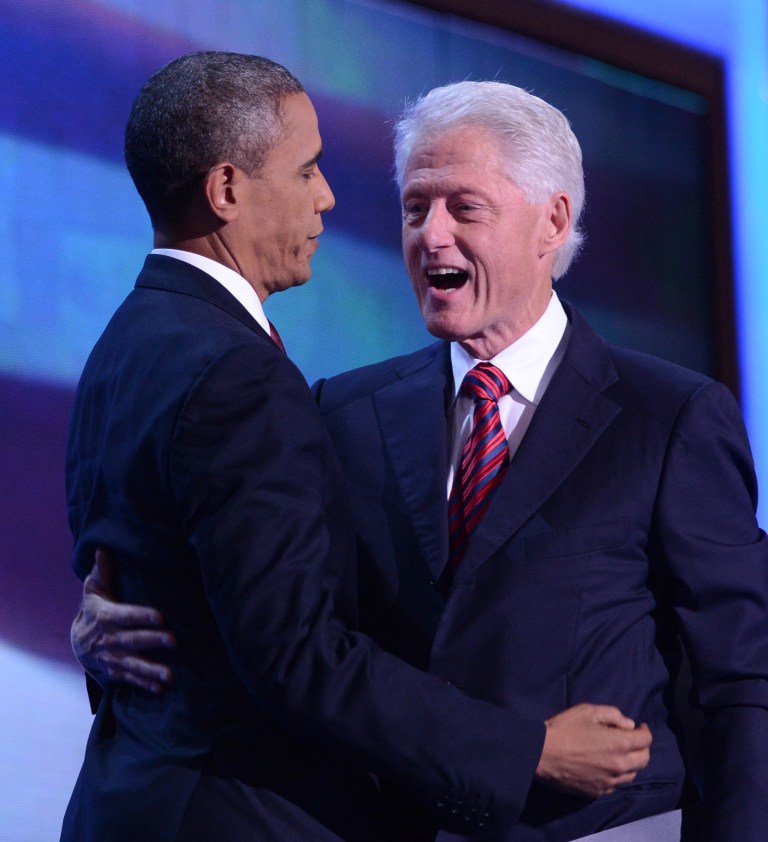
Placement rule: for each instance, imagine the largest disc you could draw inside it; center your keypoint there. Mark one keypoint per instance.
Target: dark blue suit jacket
(198, 458)
(624, 522)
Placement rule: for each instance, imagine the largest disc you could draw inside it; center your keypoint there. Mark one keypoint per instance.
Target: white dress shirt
(528, 364)
(228, 278)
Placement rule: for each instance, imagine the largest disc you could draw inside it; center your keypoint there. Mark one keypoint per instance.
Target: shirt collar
(234, 283)
(525, 361)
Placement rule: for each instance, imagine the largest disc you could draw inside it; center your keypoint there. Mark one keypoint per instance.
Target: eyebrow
(312, 161)
(459, 189)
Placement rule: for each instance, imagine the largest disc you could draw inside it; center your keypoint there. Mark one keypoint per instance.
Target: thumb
(101, 579)
(613, 718)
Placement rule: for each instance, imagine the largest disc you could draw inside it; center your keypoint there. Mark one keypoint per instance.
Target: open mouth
(446, 278)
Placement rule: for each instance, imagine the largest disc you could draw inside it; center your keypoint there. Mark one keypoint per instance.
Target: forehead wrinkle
(477, 178)
(448, 185)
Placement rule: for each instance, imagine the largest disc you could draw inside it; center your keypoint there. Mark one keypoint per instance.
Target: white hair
(537, 145)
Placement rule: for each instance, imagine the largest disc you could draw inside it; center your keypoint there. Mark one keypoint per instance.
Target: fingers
(639, 754)
(146, 675)
(120, 616)
(610, 716)
(108, 638)
(120, 641)
(607, 786)
(623, 768)
(606, 715)
(110, 659)
(631, 747)
(113, 650)
(593, 749)
(133, 626)
(642, 735)
(624, 754)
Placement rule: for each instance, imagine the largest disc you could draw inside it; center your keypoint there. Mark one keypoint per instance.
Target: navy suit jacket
(199, 459)
(624, 523)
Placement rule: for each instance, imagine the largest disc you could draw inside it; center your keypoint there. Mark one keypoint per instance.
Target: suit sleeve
(718, 560)
(250, 469)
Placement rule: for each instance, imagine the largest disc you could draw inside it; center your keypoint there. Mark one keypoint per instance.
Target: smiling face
(478, 254)
(275, 231)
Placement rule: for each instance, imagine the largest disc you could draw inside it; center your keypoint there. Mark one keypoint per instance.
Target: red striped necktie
(483, 460)
(276, 337)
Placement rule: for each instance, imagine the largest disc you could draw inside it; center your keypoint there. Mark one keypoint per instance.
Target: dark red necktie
(483, 460)
(276, 337)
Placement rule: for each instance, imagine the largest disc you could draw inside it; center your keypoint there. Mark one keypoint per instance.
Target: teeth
(444, 270)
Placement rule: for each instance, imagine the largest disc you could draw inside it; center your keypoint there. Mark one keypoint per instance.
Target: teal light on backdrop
(77, 234)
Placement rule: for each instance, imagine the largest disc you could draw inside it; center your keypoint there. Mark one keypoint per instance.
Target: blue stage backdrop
(74, 235)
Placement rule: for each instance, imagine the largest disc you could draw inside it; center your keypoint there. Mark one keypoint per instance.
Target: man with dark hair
(203, 122)
(197, 458)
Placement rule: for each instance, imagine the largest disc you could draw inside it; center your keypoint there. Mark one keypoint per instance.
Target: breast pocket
(578, 541)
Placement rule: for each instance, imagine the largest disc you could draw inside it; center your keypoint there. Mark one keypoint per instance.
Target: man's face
(277, 233)
(478, 254)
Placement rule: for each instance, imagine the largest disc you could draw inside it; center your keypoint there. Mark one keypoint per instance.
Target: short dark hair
(199, 110)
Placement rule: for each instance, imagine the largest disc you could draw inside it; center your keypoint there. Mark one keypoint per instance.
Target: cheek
(493, 265)
(408, 249)
(416, 284)
(412, 260)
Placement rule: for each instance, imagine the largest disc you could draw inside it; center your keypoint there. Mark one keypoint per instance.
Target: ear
(221, 189)
(557, 222)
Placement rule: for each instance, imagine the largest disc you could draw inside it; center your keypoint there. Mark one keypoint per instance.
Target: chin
(442, 331)
(441, 327)
(300, 277)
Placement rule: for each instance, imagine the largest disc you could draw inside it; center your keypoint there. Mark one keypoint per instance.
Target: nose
(324, 198)
(436, 231)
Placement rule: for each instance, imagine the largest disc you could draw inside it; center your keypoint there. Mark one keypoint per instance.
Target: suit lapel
(571, 417)
(411, 414)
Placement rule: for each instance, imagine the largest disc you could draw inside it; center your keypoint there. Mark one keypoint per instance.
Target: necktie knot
(485, 382)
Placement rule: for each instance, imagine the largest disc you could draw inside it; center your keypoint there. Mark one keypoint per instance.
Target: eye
(413, 210)
(310, 170)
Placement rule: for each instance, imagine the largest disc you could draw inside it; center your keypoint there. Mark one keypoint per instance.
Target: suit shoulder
(623, 369)
(357, 383)
(656, 372)
(162, 339)
(184, 325)
(662, 385)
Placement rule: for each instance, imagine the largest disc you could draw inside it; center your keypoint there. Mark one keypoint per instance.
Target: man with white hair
(542, 516)
(621, 515)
